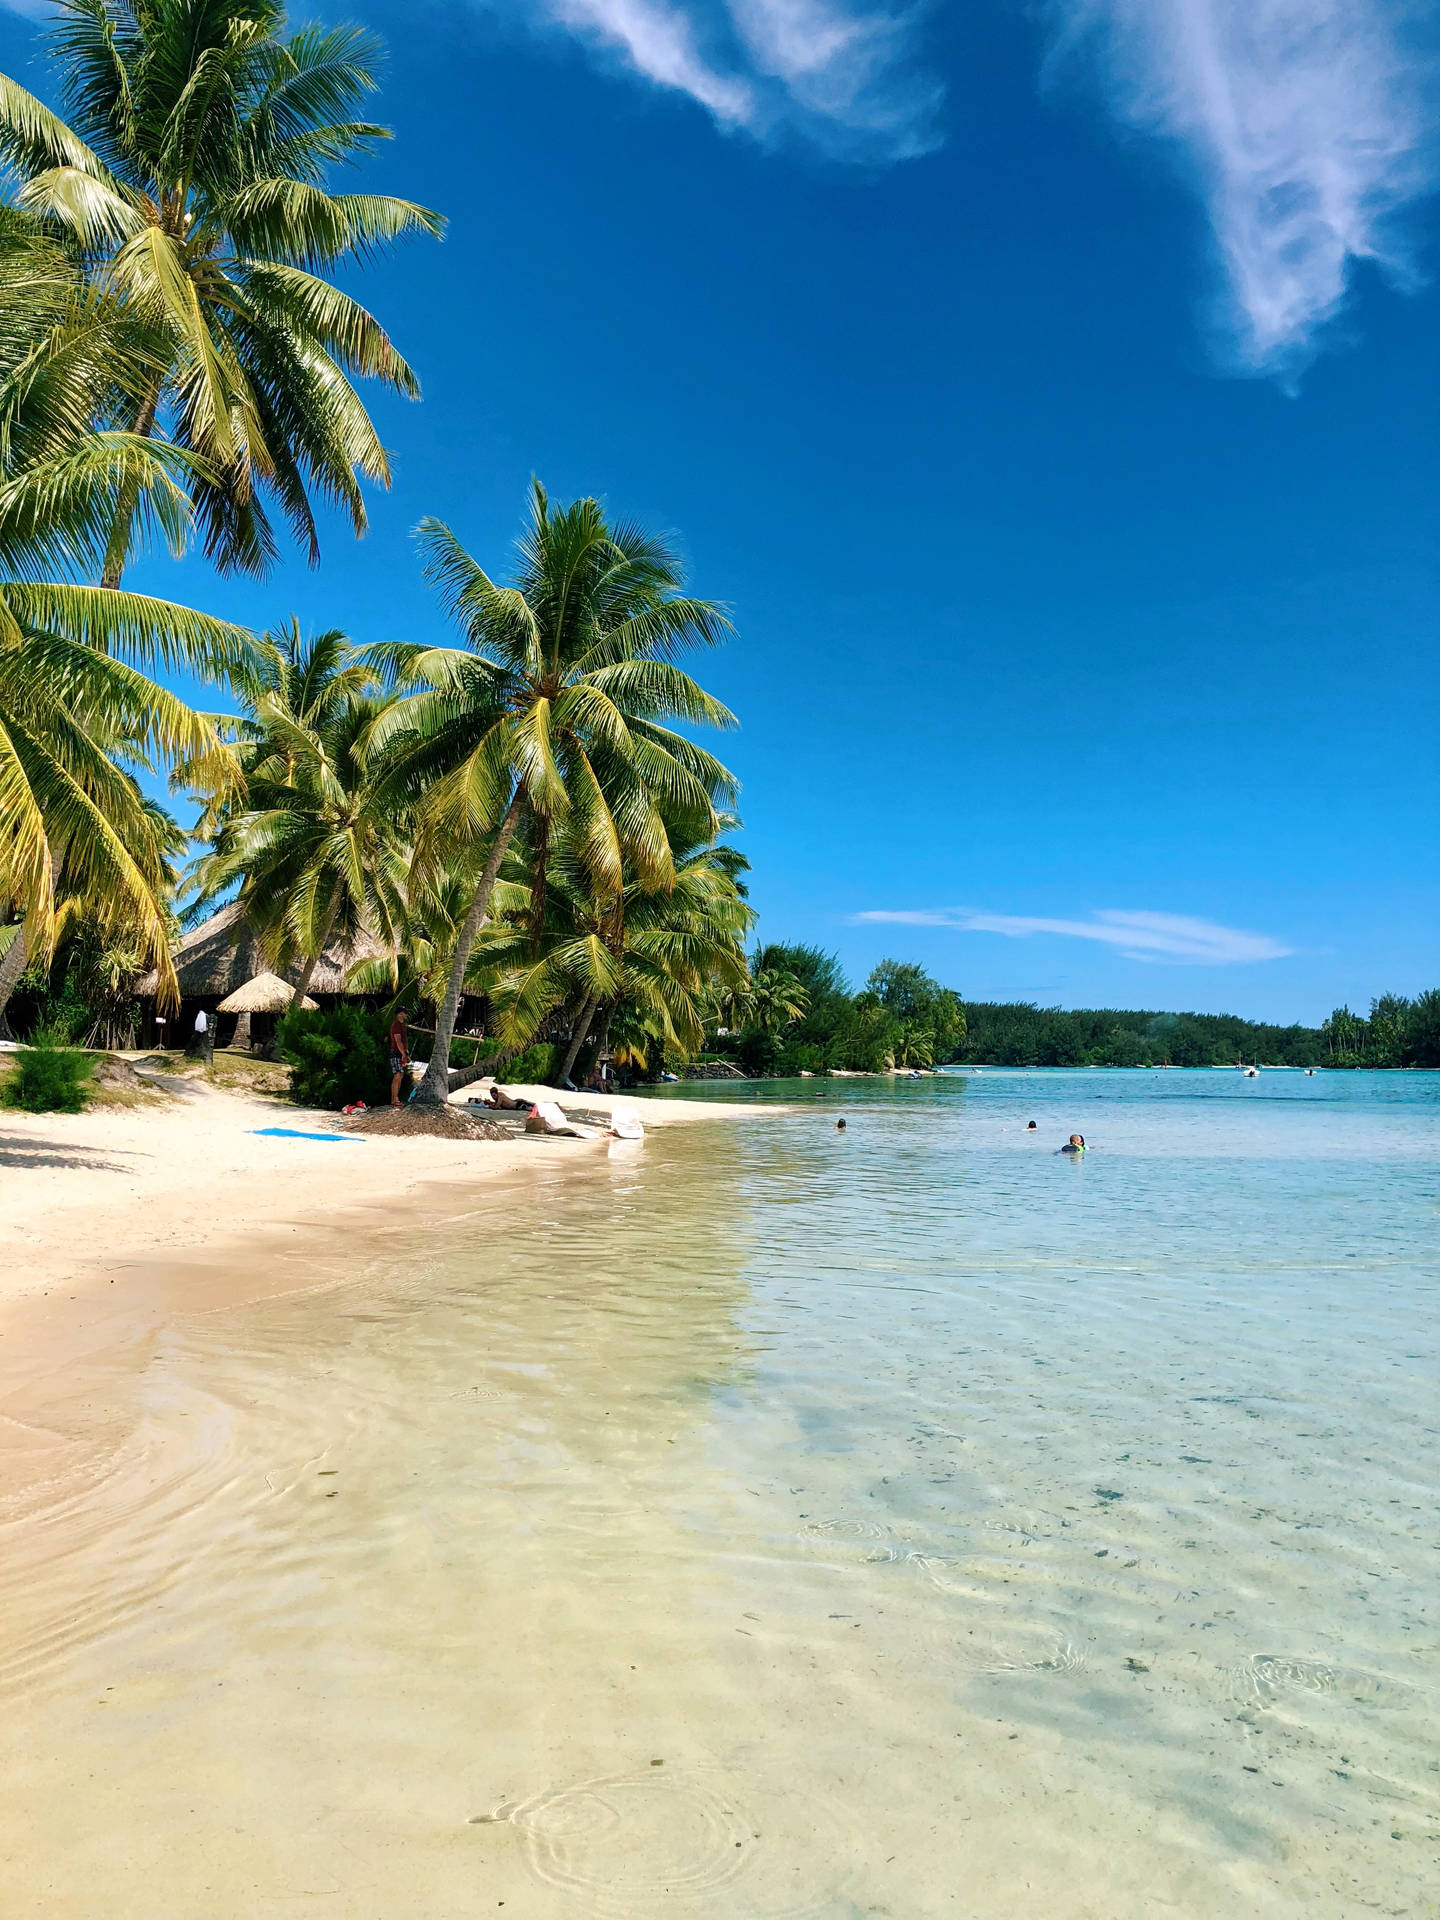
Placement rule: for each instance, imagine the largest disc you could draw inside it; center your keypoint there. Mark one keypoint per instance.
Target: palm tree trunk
(538, 868)
(302, 985)
(118, 550)
(435, 1087)
(240, 1043)
(577, 1036)
(12, 965)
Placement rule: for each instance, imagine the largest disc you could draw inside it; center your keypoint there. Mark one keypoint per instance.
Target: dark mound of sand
(111, 1071)
(440, 1123)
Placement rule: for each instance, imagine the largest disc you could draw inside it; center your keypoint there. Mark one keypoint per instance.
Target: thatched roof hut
(266, 993)
(219, 957)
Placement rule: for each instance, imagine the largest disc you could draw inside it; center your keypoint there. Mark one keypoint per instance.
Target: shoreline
(116, 1220)
(85, 1196)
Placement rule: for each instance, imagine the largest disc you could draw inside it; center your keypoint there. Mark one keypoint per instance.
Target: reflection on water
(777, 1523)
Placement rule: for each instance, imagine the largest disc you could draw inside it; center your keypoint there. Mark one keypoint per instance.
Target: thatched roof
(220, 956)
(266, 993)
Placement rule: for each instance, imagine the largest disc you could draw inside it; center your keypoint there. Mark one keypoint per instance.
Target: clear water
(772, 1522)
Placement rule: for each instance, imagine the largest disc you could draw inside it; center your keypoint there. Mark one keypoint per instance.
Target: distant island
(803, 1017)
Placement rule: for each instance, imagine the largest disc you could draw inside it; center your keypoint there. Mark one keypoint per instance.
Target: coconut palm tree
(74, 715)
(67, 350)
(770, 1001)
(555, 708)
(95, 949)
(657, 957)
(78, 710)
(315, 849)
(418, 965)
(190, 179)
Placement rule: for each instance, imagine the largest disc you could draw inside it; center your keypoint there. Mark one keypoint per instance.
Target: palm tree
(771, 1000)
(654, 957)
(67, 350)
(316, 849)
(96, 947)
(72, 712)
(77, 708)
(554, 708)
(191, 181)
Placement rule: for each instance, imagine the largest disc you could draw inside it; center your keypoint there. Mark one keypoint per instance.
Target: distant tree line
(1018, 1034)
(1399, 1033)
(800, 1015)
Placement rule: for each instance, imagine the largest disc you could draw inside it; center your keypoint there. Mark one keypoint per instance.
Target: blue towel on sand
(294, 1133)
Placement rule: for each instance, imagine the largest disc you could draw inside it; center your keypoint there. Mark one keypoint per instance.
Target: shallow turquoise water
(774, 1522)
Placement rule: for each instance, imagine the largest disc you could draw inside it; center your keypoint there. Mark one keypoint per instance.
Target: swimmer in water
(1031, 1127)
(839, 1126)
(1075, 1144)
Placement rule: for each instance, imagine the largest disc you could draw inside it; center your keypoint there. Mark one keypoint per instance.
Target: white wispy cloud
(1308, 127)
(660, 41)
(1138, 936)
(841, 73)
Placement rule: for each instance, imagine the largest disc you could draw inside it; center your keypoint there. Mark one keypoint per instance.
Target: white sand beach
(86, 1196)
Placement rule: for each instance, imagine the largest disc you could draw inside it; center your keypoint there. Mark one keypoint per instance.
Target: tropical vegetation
(1398, 1033)
(188, 183)
(799, 1016)
(554, 716)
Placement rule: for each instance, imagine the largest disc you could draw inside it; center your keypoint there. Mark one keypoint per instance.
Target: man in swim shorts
(399, 1056)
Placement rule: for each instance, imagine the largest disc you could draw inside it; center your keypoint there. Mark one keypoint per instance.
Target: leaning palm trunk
(241, 1041)
(435, 1087)
(577, 1037)
(302, 985)
(12, 965)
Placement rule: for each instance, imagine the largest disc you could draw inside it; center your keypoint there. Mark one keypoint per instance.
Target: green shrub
(338, 1056)
(535, 1067)
(48, 1076)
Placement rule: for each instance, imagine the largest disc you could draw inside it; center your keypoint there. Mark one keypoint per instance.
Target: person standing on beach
(399, 1056)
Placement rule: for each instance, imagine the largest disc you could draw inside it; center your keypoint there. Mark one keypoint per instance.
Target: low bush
(337, 1056)
(48, 1076)
(535, 1067)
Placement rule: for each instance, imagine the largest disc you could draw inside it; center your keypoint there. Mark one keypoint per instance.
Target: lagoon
(773, 1522)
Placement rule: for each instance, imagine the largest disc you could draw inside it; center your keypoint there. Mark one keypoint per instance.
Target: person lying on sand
(1075, 1144)
(503, 1102)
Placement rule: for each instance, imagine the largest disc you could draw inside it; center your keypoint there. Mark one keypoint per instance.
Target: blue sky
(1050, 392)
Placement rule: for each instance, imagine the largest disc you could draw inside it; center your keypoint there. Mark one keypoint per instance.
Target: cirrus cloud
(1174, 937)
(842, 73)
(1307, 128)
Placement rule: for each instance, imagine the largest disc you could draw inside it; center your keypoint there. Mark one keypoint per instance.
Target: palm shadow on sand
(21, 1151)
